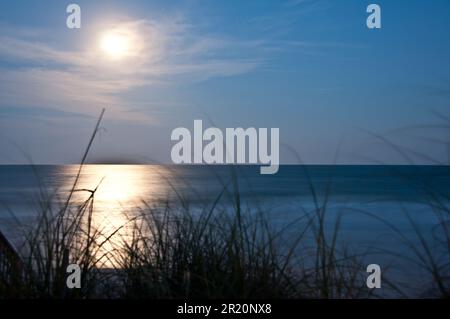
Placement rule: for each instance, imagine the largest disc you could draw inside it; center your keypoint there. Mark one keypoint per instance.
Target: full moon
(115, 44)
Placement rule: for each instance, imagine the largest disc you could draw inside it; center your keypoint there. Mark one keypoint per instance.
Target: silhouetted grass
(220, 251)
(432, 256)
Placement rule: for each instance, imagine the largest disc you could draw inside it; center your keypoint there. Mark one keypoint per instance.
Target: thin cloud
(36, 73)
(37, 112)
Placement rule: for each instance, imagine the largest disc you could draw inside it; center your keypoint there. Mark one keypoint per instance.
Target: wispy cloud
(37, 112)
(36, 73)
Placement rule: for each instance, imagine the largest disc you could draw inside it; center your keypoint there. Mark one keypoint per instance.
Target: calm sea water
(133, 182)
(384, 191)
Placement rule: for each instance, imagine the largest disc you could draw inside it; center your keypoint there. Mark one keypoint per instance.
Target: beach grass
(220, 251)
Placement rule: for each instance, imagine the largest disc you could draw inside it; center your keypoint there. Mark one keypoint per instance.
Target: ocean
(367, 198)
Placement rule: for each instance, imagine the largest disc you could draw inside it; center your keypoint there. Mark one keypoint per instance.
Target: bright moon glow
(116, 44)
